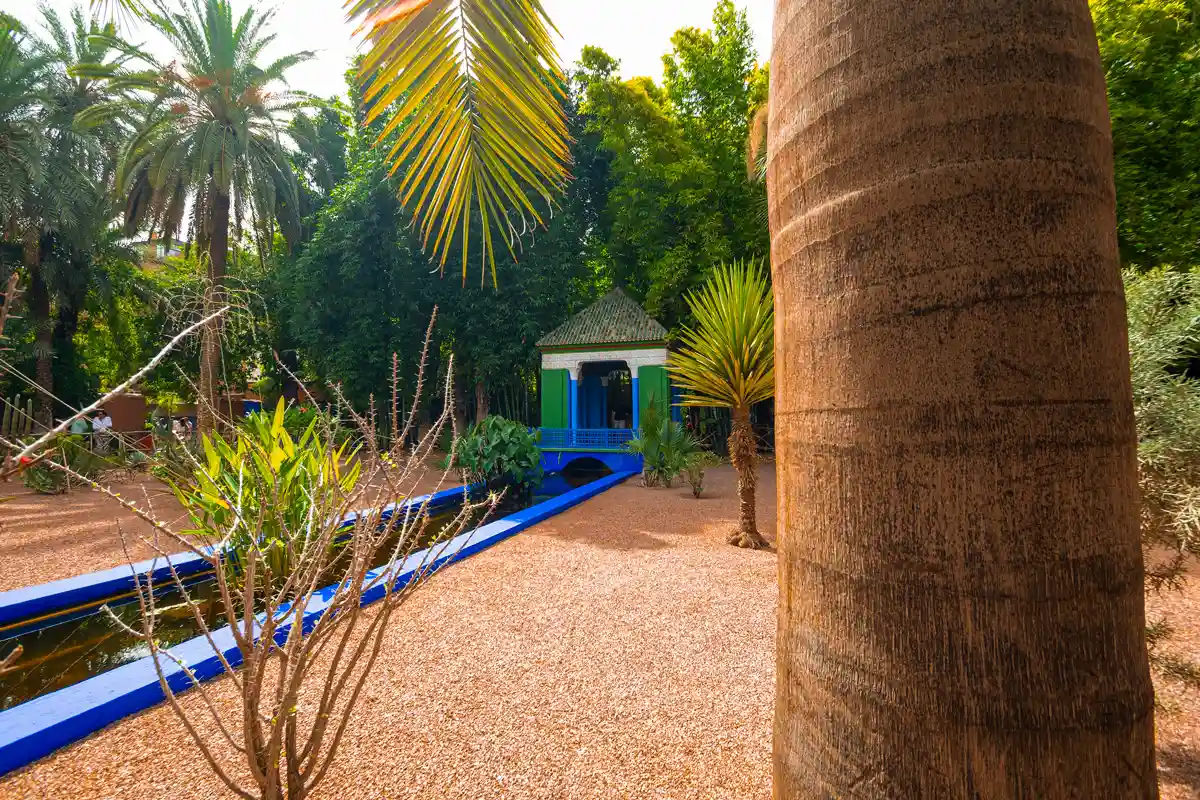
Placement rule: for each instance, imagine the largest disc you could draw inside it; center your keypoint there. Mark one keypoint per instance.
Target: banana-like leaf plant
(727, 360)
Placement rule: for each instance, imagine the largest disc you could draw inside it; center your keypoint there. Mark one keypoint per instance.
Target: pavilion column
(633, 374)
(573, 396)
(604, 403)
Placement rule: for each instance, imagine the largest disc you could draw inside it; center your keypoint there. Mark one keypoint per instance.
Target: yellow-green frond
(472, 93)
(728, 358)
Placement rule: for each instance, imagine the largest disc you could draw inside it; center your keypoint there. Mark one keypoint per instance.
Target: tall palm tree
(21, 76)
(83, 129)
(213, 133)
(53, 174)
(728, 361)
(961, 589)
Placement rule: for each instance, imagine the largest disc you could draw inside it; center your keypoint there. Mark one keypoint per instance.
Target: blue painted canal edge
(40, 726)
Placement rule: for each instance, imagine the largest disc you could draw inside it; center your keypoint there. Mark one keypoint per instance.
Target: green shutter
(654, 387)
(554, 398)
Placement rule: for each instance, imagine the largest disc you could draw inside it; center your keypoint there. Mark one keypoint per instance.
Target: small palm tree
(212, 132)
(728, 361)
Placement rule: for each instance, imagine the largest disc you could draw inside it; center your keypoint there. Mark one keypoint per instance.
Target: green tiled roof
(613, 319)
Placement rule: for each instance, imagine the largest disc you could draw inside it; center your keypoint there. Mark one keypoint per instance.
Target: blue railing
(584, 438)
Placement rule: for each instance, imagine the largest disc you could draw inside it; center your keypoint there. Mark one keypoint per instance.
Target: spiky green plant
(265, 489)
(727, 360)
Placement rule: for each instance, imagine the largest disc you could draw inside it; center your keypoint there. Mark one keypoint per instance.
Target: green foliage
(385, 294)
(676, 198)
(71, 451)
(263, 491)
(728, 359)
(499, 449)
(1164, 343)
(21, 87)
(697, 464)
(1151, 55)
(667, 448)
(299, 418)
(1164, 339)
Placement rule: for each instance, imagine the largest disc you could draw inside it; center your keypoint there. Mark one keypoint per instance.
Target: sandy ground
(49, 537)
(619, 650)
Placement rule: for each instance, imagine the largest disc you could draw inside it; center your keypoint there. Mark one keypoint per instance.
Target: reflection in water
(66, 653)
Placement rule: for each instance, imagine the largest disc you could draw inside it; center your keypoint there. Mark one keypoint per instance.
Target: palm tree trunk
(481, 402)
(961, 603)
(214, 296)
(743, 452)
(39, 312)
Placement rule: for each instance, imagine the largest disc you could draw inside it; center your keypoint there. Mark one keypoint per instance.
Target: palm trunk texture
(210, 336)
(39, 312)
(961, 604)
(743, 453)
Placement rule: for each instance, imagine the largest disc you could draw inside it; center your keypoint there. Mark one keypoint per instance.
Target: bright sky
(637, 32)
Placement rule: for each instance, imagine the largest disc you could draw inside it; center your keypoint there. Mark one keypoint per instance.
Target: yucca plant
(728, 360)
(666, 447)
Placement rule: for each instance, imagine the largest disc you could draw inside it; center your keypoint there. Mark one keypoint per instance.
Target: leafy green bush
(499, 449)
(265, 488)
(666, 447)
(299, 418)
(71, 451)
(1163, 307)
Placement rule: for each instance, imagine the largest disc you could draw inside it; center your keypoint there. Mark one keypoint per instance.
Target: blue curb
(39, 727)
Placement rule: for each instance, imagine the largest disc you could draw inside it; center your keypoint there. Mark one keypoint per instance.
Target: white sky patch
(637, 32)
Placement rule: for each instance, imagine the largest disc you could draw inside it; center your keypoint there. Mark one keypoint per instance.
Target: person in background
(79, 427)
(102, 431)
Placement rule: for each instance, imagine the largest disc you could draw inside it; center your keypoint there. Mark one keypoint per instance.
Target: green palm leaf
(471, 91)
(728, 359)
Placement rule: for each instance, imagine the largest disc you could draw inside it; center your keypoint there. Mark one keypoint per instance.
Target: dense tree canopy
(1151, 54)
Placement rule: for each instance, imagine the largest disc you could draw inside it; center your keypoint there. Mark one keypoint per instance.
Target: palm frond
(728, 359)
(472, 93)
(120, 10)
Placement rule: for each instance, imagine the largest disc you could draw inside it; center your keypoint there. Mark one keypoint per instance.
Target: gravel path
(48, 537)
(617, 650)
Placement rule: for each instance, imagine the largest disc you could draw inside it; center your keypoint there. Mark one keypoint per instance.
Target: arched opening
(584, 470)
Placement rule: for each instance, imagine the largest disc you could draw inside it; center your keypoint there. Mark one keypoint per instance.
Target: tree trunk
(961, 609)
(39, 312)
(482, 408)
(214, 296)
(743, 452)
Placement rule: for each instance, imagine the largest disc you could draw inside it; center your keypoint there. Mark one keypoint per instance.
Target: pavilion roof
(615, 319)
